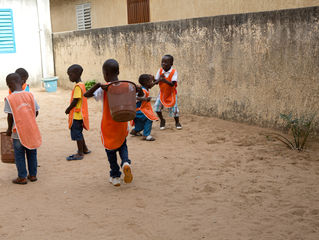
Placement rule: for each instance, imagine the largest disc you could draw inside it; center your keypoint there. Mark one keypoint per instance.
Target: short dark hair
(169, 56)
(143, 79)
(111, 66)
(22, 72)
(13, 77)
(76, 68)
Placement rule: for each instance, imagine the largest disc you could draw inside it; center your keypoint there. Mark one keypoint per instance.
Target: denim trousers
(111, 155)
(143, 123)
(19, 155)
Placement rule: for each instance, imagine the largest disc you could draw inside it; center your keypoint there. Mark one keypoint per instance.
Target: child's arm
(10, 124)
(90, 92)
(144, 98)
(72, 105)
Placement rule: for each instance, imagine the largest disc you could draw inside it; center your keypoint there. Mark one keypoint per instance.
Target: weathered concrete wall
(108, 13)
(247, 67)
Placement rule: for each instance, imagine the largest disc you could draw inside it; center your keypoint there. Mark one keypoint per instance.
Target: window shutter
(7, 41)
(83, 16)
(138, 11)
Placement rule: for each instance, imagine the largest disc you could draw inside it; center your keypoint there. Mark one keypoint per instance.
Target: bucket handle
(123, 81)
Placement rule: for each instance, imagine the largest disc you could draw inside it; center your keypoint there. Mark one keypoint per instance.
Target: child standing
(166, 77)
(22, 110)
(113, 134)
(144, 111)
(24, 75)
(78, 112)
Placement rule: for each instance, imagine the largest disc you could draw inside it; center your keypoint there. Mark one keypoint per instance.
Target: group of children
(21, 105)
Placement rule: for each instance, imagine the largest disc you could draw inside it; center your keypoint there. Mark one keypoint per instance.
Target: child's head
(167, 62)
(146, 80)
(23, 74)
(110, 69)
(14, 82)
(75, 72)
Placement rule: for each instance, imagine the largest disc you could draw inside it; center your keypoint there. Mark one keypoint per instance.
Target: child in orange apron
(113, 134)
(144, 111)
(24, 77)
(22, 110)
(78, 112)
(166, 78)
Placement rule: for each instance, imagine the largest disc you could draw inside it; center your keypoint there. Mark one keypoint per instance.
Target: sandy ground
(212, 180)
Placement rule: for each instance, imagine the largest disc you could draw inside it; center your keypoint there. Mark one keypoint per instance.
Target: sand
(214, 179)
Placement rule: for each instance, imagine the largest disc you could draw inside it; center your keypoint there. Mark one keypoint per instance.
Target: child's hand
(162, 78)
(67, 111)
(104, 87)
(148, 99)
(9, 132)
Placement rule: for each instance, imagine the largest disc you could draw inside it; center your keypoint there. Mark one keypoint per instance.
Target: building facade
(26, 39)
(68, 15)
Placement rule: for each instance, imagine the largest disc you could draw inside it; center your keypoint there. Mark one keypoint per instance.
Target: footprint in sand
(209, 189)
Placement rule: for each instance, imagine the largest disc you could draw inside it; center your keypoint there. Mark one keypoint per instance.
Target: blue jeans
(19, 155)
(111, 155)
(143, 123)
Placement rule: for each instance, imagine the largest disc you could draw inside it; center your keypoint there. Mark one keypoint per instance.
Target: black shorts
(76, 130)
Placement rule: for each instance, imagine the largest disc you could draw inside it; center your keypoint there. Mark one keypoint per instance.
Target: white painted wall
(32, 28)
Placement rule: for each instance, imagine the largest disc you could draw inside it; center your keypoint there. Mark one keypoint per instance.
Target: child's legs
(124, 154)
(115, 168)
(19, 156)
(77, 135)
(32, 161)
(174, 111)
(139, 124)
(158, 106)
(147, 127)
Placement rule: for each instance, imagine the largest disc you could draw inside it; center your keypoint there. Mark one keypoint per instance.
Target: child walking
(113, 134)
(22, 110)
(24, 75)
(166, 77)
(78, 112)
(144, 111)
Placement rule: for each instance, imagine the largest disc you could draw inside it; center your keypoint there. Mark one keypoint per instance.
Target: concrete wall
(106, 13)
(246, 67)
(32, 27)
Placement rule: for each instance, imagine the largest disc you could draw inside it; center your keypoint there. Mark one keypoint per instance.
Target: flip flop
(74, 157)
(89, 151)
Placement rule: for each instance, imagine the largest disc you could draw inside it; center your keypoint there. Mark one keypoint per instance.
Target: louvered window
(83, 16)
(138, 11)
(7, 43)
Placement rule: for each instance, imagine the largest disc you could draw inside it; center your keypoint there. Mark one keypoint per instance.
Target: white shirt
(99, 94)
(166, 74)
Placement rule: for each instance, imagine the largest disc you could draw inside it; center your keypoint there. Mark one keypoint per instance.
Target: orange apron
(24, 86)
(23, 110)
(146, 108)
(84, 108)
(167, 93)
(113, 134)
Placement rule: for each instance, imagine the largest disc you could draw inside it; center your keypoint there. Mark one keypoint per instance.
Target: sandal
(89, 151)
(134, 133)
(74, 157)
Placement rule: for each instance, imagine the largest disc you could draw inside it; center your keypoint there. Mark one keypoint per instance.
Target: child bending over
(144, 111)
